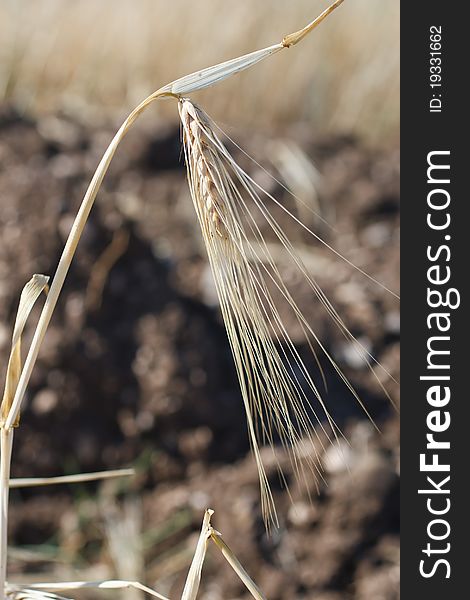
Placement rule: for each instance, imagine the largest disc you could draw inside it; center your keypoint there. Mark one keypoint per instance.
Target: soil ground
(136, 370)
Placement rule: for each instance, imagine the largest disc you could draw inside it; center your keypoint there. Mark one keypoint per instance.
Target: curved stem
(68, 253)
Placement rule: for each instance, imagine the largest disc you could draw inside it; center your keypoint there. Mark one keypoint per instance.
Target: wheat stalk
(29, 295)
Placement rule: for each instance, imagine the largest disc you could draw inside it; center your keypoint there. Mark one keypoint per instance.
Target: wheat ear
(280, 395)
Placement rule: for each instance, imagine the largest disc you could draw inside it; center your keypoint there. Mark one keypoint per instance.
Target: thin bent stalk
(236, 565)
(67, 256)
(67, 479)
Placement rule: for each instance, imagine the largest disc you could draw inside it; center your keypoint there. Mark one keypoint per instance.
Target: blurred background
(135, 369)
(99, 58)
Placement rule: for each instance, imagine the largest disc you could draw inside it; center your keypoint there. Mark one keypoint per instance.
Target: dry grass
(108, 55)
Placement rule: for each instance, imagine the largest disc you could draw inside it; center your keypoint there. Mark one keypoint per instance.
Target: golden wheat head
(279, 394)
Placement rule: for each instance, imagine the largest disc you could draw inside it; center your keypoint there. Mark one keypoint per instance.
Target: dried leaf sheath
(29, 295)
(275, 383)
